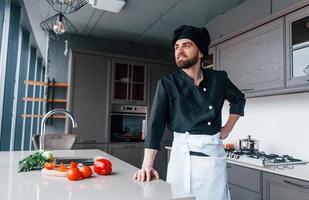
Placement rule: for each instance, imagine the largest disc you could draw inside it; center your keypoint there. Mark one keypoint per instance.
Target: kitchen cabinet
(210, 62)
(129, 81)
(276, 187)
(88, 96)
(297, 51)
(244, 183)
(102, 147)
(131, 153)
(254, 60)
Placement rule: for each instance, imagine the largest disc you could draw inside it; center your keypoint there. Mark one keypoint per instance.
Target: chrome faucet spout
(43, 123)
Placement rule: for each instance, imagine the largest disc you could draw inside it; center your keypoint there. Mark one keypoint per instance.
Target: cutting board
(53, 172)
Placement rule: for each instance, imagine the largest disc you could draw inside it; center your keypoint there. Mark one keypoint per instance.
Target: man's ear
(200, 55)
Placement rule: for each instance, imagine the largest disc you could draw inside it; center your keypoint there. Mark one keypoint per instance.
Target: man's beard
(186, 64)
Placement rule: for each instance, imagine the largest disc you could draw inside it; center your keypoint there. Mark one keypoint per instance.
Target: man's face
(186, 53)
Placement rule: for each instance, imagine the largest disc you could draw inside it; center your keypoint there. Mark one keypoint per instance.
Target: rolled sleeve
(158, 118)
(235, 97)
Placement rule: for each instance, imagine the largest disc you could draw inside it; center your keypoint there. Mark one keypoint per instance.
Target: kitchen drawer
(245, 177)
(238, 193)
(278, 187)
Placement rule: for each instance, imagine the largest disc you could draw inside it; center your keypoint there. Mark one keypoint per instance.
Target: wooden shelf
(40, 116)
(45, 100)
(38, 83)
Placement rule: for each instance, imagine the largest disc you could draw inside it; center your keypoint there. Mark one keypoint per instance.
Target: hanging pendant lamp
(67, 6)
(58, 27)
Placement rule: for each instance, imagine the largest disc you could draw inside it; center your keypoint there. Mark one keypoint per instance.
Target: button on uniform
(204, 89)
(210, 107)
(209, 123)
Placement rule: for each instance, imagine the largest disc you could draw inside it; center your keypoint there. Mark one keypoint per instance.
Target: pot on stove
(248, 144)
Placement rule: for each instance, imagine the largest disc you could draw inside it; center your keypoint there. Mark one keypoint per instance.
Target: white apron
(204, 177)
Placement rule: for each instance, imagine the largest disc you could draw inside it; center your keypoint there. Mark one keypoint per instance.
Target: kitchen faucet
(43, 124)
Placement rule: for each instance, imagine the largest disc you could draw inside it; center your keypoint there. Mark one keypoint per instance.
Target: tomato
(85, 171)
(62, 168)
(103, 171)
(73, 174)
(102, 166)
(49, 165)
(73, 164)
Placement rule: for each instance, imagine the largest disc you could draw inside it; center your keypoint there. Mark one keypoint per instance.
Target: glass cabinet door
(121, 81)
(298, 47)
(128, 82)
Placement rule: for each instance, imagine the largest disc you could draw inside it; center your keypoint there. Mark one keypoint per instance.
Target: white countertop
(299, 171)
(119, 185)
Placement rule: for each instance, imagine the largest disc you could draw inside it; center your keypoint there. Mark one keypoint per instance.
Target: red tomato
(102, 166)
(62, 168)
(73, 164)
(49, 165)
(85, 171)
(73, 174)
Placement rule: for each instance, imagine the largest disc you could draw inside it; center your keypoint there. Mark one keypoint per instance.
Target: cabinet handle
(229, 166)
(297, 184)
(247, 89)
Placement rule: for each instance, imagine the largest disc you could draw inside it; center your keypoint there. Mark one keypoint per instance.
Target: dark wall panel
(10, 77)
(2, 8)
(24, 58)
(28, 133)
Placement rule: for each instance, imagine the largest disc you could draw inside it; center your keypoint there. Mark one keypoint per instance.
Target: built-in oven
(128, 123)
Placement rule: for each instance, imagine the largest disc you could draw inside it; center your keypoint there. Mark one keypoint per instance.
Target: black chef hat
(199, 36)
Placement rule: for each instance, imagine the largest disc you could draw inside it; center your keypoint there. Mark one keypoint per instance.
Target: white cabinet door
(254, 60)
(297, 51)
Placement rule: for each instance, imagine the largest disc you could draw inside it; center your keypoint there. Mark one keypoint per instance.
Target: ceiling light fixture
(108, 5)
(67, 6)
(58, 27)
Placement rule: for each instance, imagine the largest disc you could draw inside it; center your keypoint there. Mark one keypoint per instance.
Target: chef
(189, 102)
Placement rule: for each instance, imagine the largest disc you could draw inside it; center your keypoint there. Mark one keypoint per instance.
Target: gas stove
(261, 159)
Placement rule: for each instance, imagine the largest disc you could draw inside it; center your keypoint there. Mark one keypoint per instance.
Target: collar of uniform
(186, 77)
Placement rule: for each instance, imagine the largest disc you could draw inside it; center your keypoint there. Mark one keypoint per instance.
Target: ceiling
(148, 22)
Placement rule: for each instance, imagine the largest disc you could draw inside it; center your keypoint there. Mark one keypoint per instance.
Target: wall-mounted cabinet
(129, 82)
(210, 62)
(297, 51)
(255, 60)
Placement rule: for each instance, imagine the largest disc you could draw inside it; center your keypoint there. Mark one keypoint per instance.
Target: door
(89, 96)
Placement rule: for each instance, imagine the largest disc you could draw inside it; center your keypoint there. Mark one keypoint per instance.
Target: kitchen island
(118, 185)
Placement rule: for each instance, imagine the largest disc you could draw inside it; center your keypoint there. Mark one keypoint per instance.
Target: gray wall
(245, 14)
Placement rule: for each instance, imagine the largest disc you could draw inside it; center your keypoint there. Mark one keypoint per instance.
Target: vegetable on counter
(102, 166)
(35, 161)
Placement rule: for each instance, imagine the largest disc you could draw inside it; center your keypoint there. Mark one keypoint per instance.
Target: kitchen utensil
(248, 144)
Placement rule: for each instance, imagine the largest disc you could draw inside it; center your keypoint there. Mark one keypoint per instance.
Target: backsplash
(280, 123)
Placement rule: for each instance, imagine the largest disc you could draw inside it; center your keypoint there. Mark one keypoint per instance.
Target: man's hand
(224, 133)
(146, 174)
(226, 130)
